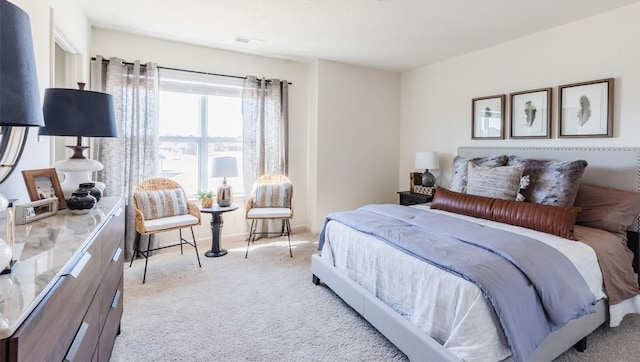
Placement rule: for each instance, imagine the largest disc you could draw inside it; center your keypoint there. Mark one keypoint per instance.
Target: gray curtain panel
(265, 124)
(133, 156)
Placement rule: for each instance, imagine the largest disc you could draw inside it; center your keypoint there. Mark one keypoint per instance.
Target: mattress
(450, 309)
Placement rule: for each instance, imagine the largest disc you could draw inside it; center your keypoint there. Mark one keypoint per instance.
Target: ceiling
(395, 35)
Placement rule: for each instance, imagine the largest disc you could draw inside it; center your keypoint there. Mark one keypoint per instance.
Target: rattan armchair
(161, 205)
(271, 199)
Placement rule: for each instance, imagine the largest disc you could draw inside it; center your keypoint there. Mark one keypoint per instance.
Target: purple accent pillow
(550, 182)
(459, 174)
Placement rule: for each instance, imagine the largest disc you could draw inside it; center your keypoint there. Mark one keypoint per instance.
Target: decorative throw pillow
(272, 195)
(460, 166)
(550, 182)
(497, 182)
(607, 209)
(162, 203)
(556, 220)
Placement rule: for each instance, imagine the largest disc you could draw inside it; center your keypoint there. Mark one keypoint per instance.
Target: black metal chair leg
(136, 245)
(181, 241)
(195, 246)
(251, 232)
(146, 260)
(289, 236)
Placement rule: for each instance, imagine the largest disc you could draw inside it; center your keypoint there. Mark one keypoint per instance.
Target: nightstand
(411, 198)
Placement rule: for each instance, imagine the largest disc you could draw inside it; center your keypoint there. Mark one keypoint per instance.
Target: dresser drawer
(84, 343)
(111, 281)
(47, 335)
(112, 324)
(110, 237)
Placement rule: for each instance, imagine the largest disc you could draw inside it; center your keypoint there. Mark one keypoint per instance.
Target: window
(200, 118)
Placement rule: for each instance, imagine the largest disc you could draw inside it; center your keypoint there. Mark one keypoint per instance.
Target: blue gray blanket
(531, 296)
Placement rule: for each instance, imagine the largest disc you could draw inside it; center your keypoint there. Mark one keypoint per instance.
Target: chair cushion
(269, 212)
(272, 195)
(170, 222)
(161, 203)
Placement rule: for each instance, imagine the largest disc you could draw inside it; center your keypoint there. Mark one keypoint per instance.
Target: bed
(462, 324)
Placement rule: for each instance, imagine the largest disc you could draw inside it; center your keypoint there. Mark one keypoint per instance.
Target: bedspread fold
(529, 301)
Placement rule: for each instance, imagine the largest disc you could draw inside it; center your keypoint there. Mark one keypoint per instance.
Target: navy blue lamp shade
(78, 113)
(19, 89)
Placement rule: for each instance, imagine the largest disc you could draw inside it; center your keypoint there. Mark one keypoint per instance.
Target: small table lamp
(426, 161)
(223, 167)
(19, 105)
(78, 113)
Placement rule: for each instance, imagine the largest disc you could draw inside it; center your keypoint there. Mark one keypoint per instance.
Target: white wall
(190, 57)
(74, 24)
(436, 99)
(343, 118)
(357, 137)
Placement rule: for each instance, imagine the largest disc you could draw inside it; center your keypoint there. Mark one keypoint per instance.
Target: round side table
(216, 228)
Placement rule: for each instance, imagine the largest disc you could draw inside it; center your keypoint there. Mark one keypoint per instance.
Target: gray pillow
(550, 182)
(496, 182)
(459, 174)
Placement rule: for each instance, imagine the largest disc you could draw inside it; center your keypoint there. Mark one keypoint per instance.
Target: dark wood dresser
(63, 300)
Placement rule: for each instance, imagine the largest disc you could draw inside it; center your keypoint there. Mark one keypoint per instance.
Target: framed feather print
(586, 109)
(487, 118)
(531, 114)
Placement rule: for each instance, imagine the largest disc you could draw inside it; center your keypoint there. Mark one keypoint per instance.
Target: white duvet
(448, 308)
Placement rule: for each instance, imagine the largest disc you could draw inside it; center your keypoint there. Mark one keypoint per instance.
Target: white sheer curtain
(265, 124)
(133, 156)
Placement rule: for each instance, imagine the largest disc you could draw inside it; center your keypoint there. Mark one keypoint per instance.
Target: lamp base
(77, 171)
(225, 195)
(9, 268)
(428, 179)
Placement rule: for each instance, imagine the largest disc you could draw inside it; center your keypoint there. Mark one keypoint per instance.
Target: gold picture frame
(42, 184)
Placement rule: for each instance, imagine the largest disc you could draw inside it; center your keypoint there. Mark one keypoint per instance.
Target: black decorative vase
(93, 190)
(81, 202)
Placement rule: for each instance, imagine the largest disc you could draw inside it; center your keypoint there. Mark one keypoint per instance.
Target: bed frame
(613, 167)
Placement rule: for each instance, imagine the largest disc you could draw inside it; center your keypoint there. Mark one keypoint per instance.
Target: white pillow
(497, 182)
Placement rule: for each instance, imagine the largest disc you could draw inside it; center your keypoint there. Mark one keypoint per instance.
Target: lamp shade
(19, 89)
(427, 160)
(224, 167)
(74, 112)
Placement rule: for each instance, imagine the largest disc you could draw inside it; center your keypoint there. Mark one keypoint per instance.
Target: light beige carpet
(265, 308)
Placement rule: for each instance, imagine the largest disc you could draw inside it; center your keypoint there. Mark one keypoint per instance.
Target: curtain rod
(187, 70)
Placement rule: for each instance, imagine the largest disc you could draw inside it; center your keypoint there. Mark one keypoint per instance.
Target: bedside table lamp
(19, 107)
(78, 113)
(426, 161)
(223, 167)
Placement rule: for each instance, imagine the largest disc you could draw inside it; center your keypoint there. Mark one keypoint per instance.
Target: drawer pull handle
(116, 255)
(116, 299)
(77, 342)
(81, 264)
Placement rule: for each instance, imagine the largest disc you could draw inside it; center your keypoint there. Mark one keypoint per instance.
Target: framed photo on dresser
(487, 117)
(43, 184)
